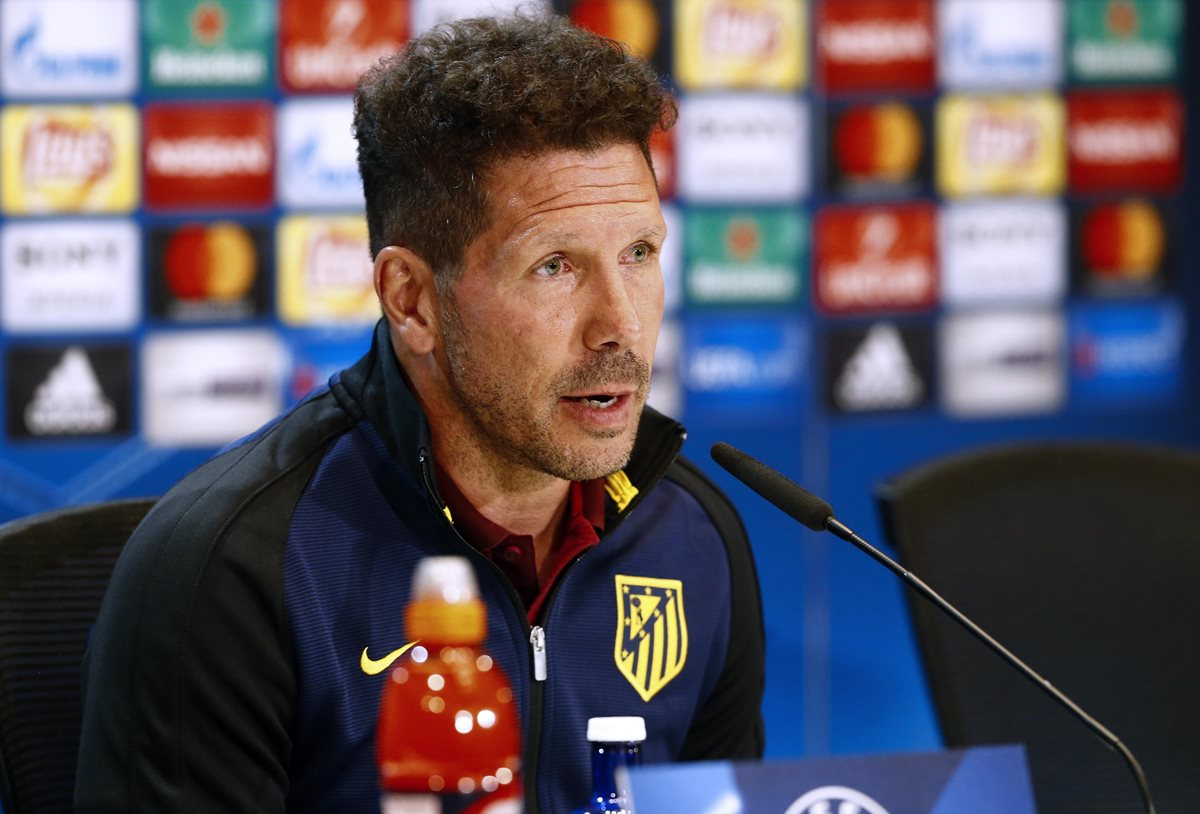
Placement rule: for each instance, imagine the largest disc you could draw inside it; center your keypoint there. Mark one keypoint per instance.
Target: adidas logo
(70, 401)
(879, 375)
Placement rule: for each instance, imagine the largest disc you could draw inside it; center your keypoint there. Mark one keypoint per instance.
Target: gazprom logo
(984, 43)
(835, 800)
(318, 153)
(28, 58)
(83, 47)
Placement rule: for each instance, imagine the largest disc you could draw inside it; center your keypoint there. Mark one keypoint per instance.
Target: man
(238, 660)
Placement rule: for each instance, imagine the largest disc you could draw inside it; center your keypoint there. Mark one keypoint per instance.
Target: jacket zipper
(537, 644)
(537, 633)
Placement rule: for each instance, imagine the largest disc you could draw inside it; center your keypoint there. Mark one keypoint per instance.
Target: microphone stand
(839, 529)
(817, 515)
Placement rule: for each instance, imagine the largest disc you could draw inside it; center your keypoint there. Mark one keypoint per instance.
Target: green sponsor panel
(209, 43)
(1124, 40)
(745, 256)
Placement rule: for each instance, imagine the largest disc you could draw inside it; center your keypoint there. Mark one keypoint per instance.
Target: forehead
(525, 192)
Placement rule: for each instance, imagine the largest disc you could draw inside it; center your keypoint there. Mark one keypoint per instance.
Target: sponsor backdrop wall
(898, 228)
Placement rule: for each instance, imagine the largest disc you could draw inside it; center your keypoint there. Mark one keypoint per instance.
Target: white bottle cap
(444, 579)
(620, 729)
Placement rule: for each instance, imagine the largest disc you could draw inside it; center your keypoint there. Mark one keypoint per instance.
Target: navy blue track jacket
(226, 670)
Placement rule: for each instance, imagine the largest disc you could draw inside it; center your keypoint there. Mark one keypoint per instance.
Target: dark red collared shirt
(579, 530)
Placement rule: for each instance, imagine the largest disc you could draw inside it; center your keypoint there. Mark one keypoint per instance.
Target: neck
(514, 497)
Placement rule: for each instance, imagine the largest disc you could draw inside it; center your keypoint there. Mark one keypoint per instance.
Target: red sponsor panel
(875, 45)
(1125, 141)
(326, 45)
(875, 258)
(209, 156)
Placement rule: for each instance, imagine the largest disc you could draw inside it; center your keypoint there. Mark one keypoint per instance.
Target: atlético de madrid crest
(652, 640)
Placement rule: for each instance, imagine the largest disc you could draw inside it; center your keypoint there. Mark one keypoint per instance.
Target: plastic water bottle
(616, 742)
(448, 739)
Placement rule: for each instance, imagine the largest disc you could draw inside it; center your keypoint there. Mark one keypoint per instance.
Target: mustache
(625, 366)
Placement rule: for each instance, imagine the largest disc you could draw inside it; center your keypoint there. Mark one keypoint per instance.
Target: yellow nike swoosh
(374, 667)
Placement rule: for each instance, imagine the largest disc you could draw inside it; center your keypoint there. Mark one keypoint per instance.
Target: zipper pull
(537, 640)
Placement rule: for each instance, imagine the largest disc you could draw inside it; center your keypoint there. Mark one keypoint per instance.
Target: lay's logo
(1000, 145)
(325, 271)
(69, 159)
(747, 43)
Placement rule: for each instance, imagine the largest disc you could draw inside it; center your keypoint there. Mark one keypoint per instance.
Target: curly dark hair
(432, 121)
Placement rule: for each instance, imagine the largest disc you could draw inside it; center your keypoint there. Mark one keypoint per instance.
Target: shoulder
(249, 489)
(720, 510)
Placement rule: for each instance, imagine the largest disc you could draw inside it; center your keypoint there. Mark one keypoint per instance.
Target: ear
(405, 287)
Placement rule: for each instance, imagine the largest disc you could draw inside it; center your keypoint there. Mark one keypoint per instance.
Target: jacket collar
(374, 388)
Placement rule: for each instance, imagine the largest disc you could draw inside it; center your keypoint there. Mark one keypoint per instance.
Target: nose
(613, 321)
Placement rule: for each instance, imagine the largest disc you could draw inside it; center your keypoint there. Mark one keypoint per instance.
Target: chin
(591, 461)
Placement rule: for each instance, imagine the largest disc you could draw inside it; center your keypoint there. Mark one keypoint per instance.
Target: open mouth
(597, 401)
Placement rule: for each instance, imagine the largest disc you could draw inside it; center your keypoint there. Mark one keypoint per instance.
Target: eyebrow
(554, 237)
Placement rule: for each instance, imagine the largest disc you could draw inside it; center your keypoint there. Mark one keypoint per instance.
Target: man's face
(550, 330)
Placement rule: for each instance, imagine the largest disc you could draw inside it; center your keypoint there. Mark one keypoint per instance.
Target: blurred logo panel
(745, 257)
(670, 257)
(662, 157)
(1127, 352)
(878, 148)
(879, 258)
(73, 48)
(741, 43)
(69, 158)
(209, 271)
(1124, 40)
(68, 391)
(326, 45)
(326, 273)
(998, 252)
(996, 363)
(317, 357)
(743, 148)
(206, 388)
(666, 390)
(637, 23)
(996, 145)
(744, 368)
(1000, 43)
(209, 43)
(209, 156)
(1125, 141)
(875, 45)
(428, 13)
(1123, 248)
(318, 156)
(882, 367)
(69, 276)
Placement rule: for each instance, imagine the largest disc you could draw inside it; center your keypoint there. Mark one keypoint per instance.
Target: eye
(638, 253)
(552, 267)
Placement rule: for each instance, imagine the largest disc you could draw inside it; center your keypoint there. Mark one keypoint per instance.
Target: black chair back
(53, 571)
(1084, 560)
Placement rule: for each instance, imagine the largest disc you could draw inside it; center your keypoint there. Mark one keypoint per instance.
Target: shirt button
(511, 553)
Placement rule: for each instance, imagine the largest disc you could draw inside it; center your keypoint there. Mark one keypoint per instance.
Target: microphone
(818, 515)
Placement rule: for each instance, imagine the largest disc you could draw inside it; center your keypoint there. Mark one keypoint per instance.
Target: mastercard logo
(878, 142)
(1124, 240)
(214, 261)
(633, 22)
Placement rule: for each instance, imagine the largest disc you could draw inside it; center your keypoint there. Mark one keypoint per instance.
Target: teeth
(600, 403)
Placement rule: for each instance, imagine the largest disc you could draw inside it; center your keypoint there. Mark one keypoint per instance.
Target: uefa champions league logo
(835, 800)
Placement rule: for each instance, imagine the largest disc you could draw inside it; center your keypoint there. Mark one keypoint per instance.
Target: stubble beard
(521, 430)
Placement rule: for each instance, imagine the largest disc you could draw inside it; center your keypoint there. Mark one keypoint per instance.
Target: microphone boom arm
(816, 514)
(839, 529)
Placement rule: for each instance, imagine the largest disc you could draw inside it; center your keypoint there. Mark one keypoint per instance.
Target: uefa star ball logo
(835, 800)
